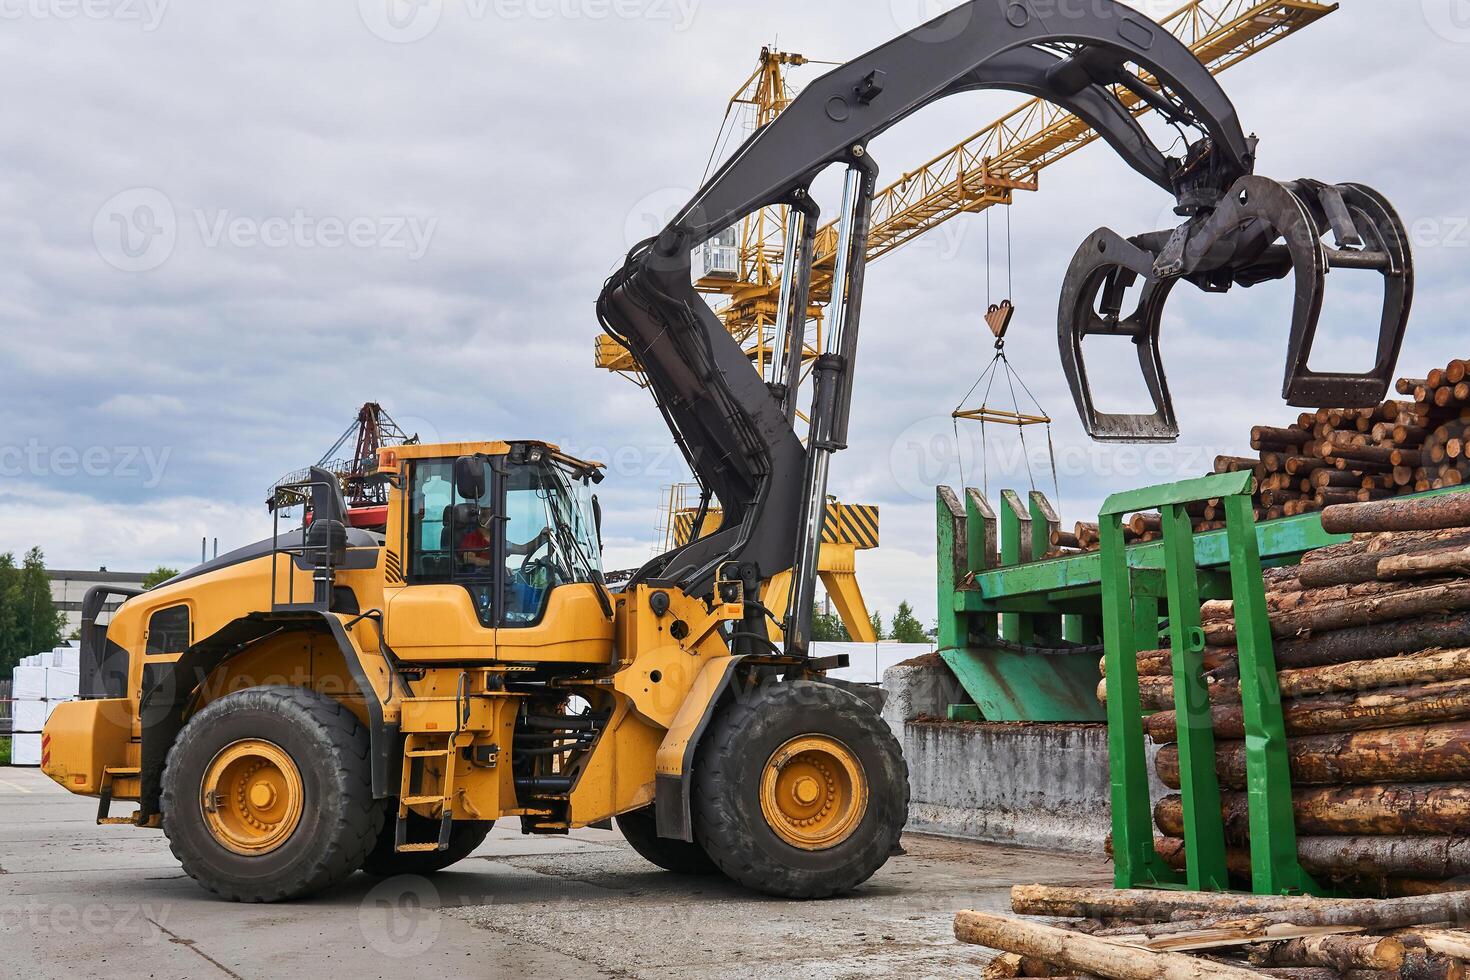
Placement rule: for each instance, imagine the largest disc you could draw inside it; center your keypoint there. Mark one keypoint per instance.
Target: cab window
(451, 537)
(531, 568)
(168, 630)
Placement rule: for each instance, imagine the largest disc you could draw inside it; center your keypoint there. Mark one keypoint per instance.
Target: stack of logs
(1338, 456)
(1149, 935)
(1372, 648)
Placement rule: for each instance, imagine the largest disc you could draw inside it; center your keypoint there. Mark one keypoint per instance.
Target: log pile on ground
(1160, 935)
(1372, 648)
(1415, 443)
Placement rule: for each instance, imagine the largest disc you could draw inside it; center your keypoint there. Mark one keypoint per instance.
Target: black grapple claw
(1260, 230)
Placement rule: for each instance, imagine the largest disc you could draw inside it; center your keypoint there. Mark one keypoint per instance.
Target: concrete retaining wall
(1038, 785)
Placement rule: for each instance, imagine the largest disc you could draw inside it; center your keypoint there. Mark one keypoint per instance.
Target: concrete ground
(77, 899)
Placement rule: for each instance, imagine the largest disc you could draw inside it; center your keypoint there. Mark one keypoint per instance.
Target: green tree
(829, 628)
(878, 633)
(37, 623)
(9, 612)
(158, 576)
(906, 626)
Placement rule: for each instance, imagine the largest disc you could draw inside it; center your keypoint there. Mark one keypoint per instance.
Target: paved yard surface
(81, 900)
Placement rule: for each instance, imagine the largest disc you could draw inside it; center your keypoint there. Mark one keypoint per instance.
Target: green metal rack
(990, 589)
(1130, 624)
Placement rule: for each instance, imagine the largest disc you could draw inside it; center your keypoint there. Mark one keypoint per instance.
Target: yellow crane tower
(981, 171)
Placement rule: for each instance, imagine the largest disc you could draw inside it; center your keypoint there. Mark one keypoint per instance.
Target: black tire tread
(639, 828)
(717, 824)
(356, 825)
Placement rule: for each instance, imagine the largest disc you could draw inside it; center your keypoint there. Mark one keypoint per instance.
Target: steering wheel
(530, 562)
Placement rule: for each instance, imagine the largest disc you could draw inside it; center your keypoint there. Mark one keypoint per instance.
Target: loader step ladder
(422, 785)
(1131, 599)
(104, 796)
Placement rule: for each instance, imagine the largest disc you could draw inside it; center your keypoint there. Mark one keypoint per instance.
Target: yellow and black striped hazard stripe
(854, 524)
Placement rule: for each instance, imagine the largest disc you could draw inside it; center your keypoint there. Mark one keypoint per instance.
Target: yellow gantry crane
(981, 171)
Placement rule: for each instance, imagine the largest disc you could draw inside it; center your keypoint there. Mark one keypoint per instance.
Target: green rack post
(1130, 610)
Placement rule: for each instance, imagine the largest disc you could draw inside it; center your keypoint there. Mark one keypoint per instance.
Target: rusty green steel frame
(1116, 596)
(990, 587)
(1275, 869)
(1008, 685)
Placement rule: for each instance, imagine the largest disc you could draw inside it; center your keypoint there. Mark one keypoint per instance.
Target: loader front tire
(640, 828)
(800, 791)
(267, 795)
(384, 862)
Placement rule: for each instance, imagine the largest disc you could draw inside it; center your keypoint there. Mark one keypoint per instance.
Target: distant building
(68, 587)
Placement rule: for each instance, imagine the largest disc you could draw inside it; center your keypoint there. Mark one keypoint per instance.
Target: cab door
(447, 607)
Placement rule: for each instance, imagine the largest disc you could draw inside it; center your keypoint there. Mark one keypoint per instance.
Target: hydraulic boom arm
(737, 431)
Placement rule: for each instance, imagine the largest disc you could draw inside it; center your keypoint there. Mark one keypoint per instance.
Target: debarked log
(1432, 753)
(1336, 952)
(1363, 642)
(1421, 514)
(1086, 954)
(1412, 600)
(1395, 809)
(1353, 712)
(1363, 564)
(1157, 693)
(1080, 902)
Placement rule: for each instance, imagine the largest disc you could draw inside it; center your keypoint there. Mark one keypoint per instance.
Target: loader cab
(494, 534)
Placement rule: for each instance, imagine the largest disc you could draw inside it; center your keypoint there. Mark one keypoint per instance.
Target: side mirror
(597, 519)
(469, 477)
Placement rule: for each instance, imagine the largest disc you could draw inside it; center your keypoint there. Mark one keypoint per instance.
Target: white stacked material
(28, 683)
(25, 749)
(62, 683)
(38, 685)
(29, 716)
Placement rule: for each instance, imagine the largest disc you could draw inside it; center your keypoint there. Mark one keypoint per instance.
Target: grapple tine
(1258, 231)
(1103, 269)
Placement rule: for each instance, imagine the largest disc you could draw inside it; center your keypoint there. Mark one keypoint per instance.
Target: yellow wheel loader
(334, 699)
(337, 698)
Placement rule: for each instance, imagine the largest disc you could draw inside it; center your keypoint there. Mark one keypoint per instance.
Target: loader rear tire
(267, 795)
(681, 857)
(384, 862)
(800, 791)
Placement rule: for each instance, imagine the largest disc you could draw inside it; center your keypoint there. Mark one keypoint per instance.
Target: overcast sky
(225, 226)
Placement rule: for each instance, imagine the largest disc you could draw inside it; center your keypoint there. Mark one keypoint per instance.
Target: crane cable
(1013, 417)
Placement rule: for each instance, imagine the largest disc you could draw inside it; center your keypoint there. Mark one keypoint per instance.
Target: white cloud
(79, 531)
(142, 406)
(530, 142)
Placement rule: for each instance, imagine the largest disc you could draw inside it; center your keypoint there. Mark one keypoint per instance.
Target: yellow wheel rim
(251, 796)
(813, 792)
